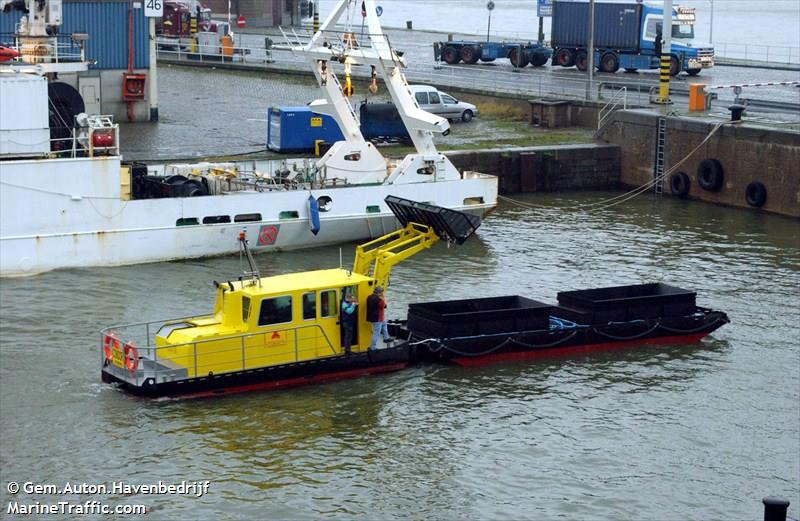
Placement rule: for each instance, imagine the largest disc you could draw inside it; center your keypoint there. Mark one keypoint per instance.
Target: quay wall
(546, 168)
(747, 154)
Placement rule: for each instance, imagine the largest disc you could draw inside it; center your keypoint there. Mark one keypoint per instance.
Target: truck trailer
(470, 51)
(627, 36)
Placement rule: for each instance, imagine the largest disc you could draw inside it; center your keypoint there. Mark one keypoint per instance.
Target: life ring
(756, 194)
(110, 342)
(710, 175)
(131, 357)
(679, 184)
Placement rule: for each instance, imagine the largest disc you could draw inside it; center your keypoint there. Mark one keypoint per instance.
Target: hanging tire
(581, 61)
(518, 57)
(609, 62)
(710, 175)
(679, 184)
(470, 54)
(564, 57)
(450, 55)
(756, 194)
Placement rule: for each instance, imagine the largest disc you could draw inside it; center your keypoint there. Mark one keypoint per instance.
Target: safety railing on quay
(287, 345)
(533, 82)
(755, 53)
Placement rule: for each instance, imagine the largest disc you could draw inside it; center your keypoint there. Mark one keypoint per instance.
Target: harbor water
(660, 433)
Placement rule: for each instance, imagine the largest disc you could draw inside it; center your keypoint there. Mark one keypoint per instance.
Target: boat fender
(756, 194)
(131, 357)
(313, 215)
(710, 175)
(679, 184)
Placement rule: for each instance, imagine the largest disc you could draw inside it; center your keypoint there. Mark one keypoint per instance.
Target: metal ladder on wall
(661, 138)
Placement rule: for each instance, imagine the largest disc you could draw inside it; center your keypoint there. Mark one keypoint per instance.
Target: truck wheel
(609, 62)
(466, 117)
(581, 60)
(694, 72)
(518, 59)
(565, 58)
(538, 59)
(470, 54)
(450, 55)
(674, 66)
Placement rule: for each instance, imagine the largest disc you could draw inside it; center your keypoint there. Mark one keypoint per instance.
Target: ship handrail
(150, 352)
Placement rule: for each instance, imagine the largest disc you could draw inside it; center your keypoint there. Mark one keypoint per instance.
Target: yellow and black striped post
(663, 86)
(315, 7)
(193, 24)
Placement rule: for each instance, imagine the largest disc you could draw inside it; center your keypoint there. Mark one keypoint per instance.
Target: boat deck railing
(240, 352)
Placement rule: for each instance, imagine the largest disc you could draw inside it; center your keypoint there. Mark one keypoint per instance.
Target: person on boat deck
(349, 306)
(375, 306)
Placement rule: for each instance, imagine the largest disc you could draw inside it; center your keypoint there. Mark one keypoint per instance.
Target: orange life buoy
(109, 341)
(131, 357)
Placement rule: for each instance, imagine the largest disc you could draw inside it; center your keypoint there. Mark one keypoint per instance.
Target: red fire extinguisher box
(133, 86)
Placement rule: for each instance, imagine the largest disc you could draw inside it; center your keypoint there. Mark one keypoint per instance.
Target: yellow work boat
(279, 331)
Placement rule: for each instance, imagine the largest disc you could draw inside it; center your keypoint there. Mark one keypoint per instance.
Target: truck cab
(687, 53)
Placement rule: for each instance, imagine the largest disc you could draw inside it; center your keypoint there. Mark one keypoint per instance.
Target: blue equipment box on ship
(295, 129)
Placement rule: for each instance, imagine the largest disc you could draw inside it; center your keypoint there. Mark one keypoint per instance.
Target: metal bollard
(736, 112)
(775, 508)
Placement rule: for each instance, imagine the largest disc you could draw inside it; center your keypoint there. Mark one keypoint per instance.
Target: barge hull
(274, 377)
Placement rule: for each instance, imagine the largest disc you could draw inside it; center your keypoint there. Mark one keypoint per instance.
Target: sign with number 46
(154, 8)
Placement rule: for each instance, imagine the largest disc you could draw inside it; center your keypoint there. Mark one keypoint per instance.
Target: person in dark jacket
(375, 314)
(349, 314)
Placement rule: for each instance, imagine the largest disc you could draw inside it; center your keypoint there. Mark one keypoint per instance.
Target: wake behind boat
(93, 209)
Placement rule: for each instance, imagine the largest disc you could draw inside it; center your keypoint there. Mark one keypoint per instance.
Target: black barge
(485, 330)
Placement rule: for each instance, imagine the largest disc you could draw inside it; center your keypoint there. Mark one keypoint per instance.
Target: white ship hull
(64, 213)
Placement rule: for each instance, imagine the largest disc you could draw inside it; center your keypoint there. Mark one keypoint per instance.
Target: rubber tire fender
(679, 184)
(756, 194)
(710, 175)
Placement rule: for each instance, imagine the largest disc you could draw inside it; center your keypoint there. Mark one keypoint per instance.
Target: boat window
(245, 308)
(277, 310)
(434, 98)
(373, 208)
(422, 98)
(328, 307)
(473, 200)
(449, 100)
(289, 214)
(309, 306)
(355, 156)
(216, 219)
(325, 203)
(247, 217)
(187, 221)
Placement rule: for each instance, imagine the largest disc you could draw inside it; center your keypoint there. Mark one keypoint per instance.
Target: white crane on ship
(355, 156)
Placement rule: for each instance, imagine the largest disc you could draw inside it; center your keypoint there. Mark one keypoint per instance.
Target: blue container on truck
(519, 54)
(296, 129)
(627, 36)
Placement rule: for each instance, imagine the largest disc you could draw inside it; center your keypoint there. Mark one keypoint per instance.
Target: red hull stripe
(562, 351)
(297, 381)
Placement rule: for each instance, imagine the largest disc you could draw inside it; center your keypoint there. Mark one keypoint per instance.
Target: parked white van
(442, 104)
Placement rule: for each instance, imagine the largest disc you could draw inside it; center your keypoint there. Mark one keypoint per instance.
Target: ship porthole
(325, 203)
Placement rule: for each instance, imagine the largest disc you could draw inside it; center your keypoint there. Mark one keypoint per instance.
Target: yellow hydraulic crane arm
(383, 253)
